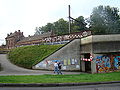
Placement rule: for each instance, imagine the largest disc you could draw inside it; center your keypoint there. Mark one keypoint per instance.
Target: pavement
(10, 69)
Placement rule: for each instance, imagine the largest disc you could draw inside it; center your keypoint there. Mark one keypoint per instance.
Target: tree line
(103, 20)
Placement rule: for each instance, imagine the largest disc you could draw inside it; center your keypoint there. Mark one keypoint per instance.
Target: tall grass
(30, 55)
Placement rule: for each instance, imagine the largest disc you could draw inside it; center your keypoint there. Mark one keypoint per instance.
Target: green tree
(79, 24)
(47, 28)
(61, 27)
(105, 20)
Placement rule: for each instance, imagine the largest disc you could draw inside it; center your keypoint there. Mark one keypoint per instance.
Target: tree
(47, 28)
(105, 20)
(61, 27)
(79, 24)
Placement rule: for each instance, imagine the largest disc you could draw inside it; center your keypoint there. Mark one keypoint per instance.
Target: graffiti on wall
(106, 63)
(72, 61)
(67, 37)
(53, 39)
(65, 63)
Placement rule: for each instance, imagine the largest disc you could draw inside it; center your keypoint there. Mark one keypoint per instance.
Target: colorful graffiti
(65, 63)
(53, 39)
(106, 63)
(66, 37)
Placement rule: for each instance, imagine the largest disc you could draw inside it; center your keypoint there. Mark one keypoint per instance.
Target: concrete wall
(101, 44)
(106, 47)
(69, 56)
(86, 48)
(0, 67)
(82, 66)
(105, 50)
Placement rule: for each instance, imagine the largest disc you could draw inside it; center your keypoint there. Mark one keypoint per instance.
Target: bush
(28, 56)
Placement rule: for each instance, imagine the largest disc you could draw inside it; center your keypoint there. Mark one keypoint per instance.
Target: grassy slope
(30, 55)
(103, 77)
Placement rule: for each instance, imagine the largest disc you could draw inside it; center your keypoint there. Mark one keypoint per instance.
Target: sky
(26, 15)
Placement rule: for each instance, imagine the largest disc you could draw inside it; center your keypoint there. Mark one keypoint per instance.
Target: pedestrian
(59, 67)
(56, 68)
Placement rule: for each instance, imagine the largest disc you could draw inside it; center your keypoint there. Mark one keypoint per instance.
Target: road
(86, 87)
(10, 69)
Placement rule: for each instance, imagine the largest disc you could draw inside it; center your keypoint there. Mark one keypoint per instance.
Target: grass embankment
(30, 55)
(103, 77)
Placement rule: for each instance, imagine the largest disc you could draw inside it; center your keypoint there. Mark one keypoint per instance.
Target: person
(56, 68)
(59, 67)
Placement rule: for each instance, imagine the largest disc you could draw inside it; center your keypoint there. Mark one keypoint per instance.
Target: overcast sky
(25, 15)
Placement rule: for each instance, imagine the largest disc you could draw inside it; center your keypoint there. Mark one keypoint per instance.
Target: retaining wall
(69, 56)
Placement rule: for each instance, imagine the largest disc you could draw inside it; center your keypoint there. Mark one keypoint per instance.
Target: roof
(11, 35)
(16, 33)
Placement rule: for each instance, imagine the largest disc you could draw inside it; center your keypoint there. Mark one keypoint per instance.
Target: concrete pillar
(93, 63)
(83, 66)
(93, 67)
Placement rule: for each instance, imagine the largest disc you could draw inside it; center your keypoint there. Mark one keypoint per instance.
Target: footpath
(10, 69)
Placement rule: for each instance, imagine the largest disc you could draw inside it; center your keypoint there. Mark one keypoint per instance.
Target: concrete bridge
(94, 54)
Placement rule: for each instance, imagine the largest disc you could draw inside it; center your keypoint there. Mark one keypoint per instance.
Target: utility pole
(69, 19)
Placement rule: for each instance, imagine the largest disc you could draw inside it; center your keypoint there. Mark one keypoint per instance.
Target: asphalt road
(86, 87)
(10, 69)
